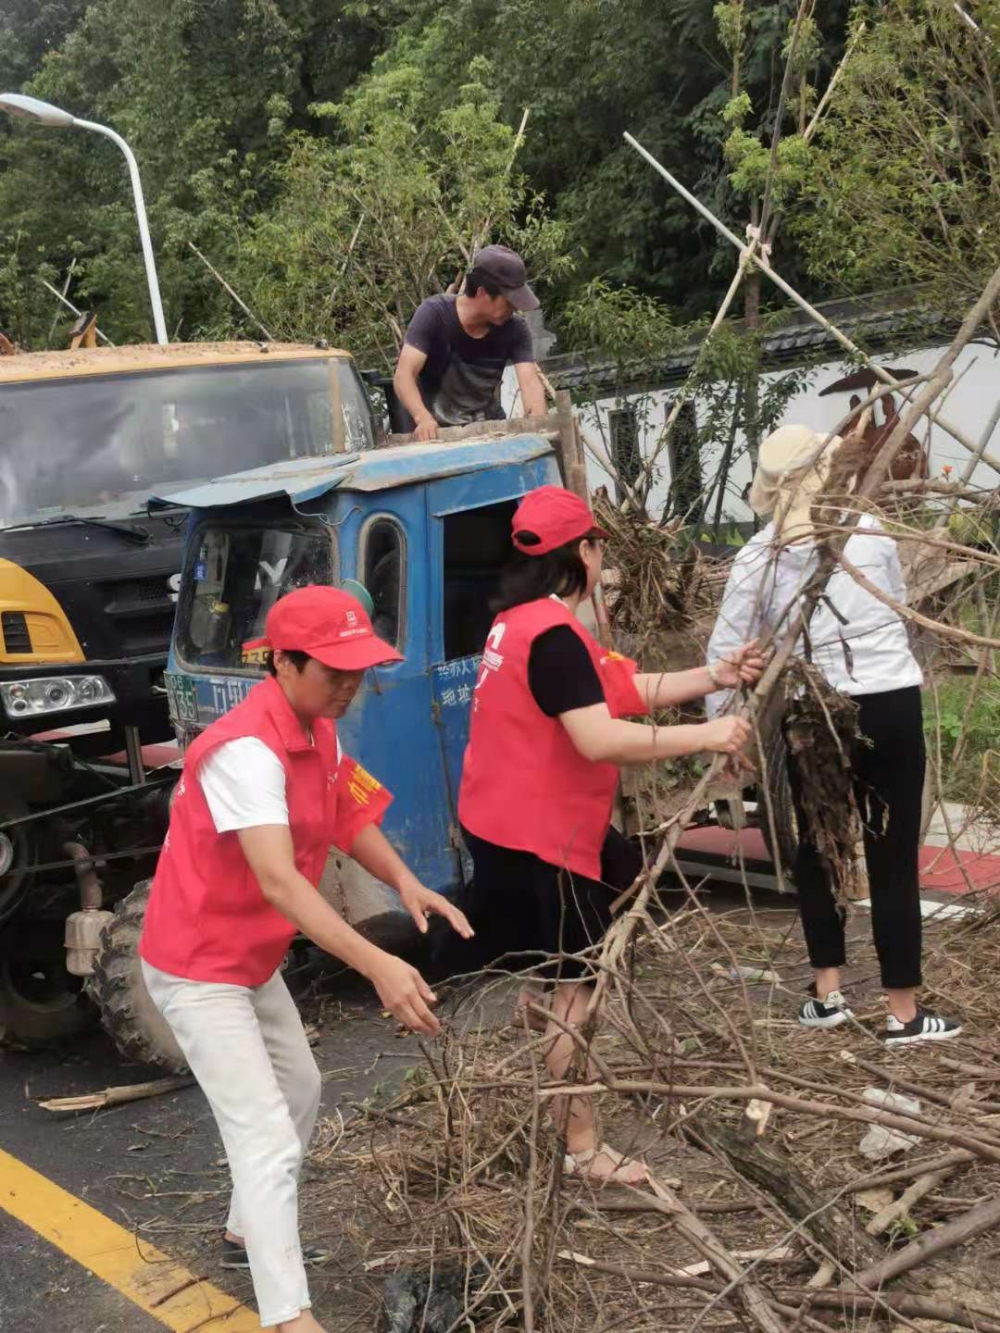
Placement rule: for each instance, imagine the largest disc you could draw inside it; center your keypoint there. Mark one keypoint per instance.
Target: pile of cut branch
(760, 1204)
(761, 1208)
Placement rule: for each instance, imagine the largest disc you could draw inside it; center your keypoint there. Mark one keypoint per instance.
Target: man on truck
(456, 348)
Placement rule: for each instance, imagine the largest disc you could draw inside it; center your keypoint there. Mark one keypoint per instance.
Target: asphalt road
(155, 1167)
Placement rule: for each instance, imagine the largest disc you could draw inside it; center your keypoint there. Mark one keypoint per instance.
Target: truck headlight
(54, 694)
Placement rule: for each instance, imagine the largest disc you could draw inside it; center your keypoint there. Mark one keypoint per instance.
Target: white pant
(248, 1051)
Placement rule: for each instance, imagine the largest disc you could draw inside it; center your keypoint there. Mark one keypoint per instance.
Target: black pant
(888, 776)
(525, 910)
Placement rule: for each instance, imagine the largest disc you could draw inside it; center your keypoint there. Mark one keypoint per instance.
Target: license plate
(181, 697)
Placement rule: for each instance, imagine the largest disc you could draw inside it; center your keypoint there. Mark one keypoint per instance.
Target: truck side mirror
(359, 591)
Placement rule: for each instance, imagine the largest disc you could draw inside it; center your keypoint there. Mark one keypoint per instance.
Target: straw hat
(786, 456)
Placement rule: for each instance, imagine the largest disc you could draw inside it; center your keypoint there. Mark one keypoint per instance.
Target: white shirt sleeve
(244, 785)
(739, 617)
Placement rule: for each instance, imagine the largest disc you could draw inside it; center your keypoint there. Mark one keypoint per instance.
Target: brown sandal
(577, 1164)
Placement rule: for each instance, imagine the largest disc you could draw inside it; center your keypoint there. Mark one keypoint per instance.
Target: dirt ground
(427, 1159)
(453, 1177)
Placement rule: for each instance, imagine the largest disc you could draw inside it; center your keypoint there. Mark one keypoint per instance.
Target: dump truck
(89, 580)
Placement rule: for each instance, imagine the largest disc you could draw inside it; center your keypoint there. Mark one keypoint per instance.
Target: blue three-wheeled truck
(425, 528)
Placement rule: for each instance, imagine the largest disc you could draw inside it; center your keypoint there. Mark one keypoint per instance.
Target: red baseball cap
(550, 517)
(328, 624)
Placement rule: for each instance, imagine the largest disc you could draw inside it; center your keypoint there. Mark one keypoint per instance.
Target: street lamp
(44, 113)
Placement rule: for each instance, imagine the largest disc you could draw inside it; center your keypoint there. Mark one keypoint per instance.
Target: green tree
(904, 183)
(29, 29)
(389, 210)
(205, 91)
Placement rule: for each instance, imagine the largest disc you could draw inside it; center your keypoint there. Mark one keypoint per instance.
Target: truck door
(469, 539)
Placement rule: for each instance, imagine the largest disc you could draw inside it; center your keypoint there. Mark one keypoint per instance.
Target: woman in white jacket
(861, 646)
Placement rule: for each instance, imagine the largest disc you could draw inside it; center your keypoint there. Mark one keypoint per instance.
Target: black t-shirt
(561, 675)
(460, 381)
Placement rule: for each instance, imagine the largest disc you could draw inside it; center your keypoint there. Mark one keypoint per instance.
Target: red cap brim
(554, 540)
(369, 651)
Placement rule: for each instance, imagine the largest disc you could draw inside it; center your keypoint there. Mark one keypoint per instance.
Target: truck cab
(88, 579)
(426, 529)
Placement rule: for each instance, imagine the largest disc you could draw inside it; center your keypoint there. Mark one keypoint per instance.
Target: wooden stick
(772, 1169)
(920, 1089)
(917, 617)
(956, 1232)
(922, 1307)
(707, 1092)
(132, 1092)
(972, 1071)
(900, 1207)
(239, 301)
(708, 1245)
(875, 1179)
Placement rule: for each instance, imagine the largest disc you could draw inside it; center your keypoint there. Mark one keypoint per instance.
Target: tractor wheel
(129, 1016)
(40, 1003)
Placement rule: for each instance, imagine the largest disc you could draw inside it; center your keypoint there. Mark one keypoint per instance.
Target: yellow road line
(149, 1278)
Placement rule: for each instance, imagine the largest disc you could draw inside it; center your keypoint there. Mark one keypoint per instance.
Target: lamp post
(44, 113)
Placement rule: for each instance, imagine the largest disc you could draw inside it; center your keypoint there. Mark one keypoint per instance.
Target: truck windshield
(233, 578)
(94, 441)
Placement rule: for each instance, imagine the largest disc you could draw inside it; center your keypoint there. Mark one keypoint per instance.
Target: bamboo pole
(800, 301)
(236, 297)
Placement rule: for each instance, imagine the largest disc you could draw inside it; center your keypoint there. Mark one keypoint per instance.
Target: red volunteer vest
(207, 919)
(524, 783)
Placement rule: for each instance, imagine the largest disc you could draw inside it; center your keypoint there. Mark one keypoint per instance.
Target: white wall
(973, 396)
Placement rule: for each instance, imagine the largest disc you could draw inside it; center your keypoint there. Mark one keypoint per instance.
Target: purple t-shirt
(460, 381)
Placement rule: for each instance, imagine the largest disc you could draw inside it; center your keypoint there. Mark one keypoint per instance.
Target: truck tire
(129, 1016)
(40, 1003)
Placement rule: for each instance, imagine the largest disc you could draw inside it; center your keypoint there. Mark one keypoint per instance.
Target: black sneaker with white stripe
(925, 1027)
(829, 1012)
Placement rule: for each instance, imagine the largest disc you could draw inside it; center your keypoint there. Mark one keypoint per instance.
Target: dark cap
(505, 268)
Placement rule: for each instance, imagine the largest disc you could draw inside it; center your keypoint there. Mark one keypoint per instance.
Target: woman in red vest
(264, 793)
(541, 770)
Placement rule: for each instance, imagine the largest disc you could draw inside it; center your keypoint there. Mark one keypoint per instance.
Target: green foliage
(906, 171)
(243, 112)
(964, 737)
(747, 151)
(365, 225)
(729, 20)
(750, 160)
(631, 329)
(203, 91)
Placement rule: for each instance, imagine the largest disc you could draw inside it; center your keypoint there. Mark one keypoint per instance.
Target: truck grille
(150, 590)
(16, 638)
(124, 595)
(140, 611)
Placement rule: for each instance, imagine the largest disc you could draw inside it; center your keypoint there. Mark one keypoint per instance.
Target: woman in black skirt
(541, 771)
(860, 644)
